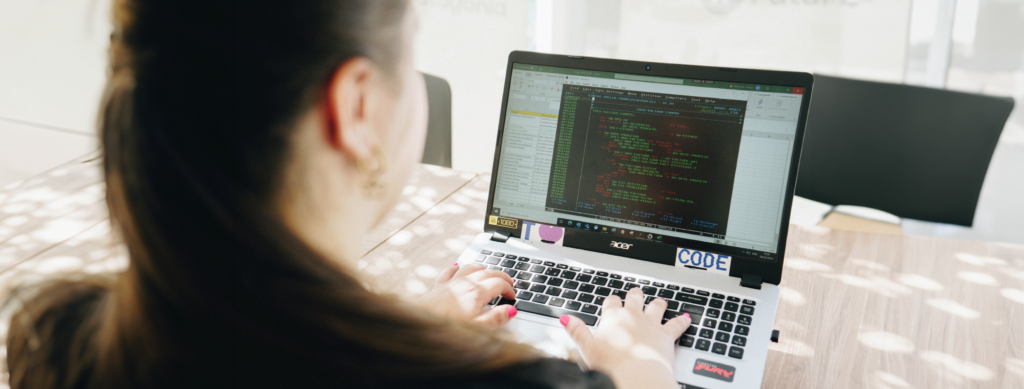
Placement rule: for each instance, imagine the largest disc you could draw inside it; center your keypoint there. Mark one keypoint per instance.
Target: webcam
(647, 67)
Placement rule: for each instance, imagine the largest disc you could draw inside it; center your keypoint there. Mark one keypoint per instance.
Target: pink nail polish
(564, 320)
(687, 315)
(455, 264)
(512, 311)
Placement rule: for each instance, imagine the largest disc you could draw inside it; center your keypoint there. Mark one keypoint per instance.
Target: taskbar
(641, 224)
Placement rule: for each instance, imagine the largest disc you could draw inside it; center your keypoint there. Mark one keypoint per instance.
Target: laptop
(611, 175)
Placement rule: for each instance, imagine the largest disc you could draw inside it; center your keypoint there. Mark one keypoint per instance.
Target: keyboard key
(732, 307)
(480, 258)
(602, 291)
(686, 341)
(524, 295)
(522, 285)
(725, 326)
(587, 288)
(736, 352)
(722, 337)
(523, 266)
(631, 286)
(598, 300)
(556, 301)
(494, 300)
(710, 323)
(615, 276)
(588, 271)
(719, 348)
(704, 332)
(550, 311)
(505, 301)
(620, 293)
(524, 275)
(673, 305)
(510, 256)
(562, 266)
(536, 261)
(630, 279)
(589, 309)
(599, 281)
(733, 299)
(691, 299)
(538, 288)
(492, 260)
(694, 309)
(554, 291)
(571, 285)
(669, 315)
(494, 268)
(539, 278)
(569, 275)
(718, 296)
(703, 293)
(739, 341)
(673, 287)
(539, 298)
(741, 330)
(650, 290)
(573, 305)
(555, 281)
(485, 252)
(587, 298)
(553, 272)
(747, 310)
(729, 316)
(692, 330)
(616, 284)
(538, 269)
(549, 263)
(744, 319)
(574, 268)
(666, 294)
(499, 255)
(713, 313)
(570, 294)
(584, 278)
(510, 272)
(659, 284)
(703, 344)
(644, 282)
(716, 303)
(523, 259)
(602, 274)
(749, 302)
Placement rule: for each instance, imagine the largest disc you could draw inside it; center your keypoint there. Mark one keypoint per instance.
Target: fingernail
(455, 264)
(662, 298)
(564, 320)
(687, 315)
(512, 311)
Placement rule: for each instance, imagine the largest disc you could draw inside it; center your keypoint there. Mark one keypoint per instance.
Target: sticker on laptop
(714, 370)
(536, 232)
(503, 222)
(712, 262)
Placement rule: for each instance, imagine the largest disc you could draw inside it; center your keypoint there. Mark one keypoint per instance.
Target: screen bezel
(771, 272)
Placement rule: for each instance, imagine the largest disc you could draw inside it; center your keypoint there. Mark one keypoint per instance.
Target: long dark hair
(195, 124)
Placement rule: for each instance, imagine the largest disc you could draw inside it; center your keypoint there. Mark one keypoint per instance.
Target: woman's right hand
(630, 344)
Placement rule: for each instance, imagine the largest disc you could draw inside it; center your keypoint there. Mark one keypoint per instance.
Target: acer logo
(714, 370)
(620, 245)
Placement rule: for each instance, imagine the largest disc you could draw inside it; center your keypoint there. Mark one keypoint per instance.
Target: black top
(543, 374)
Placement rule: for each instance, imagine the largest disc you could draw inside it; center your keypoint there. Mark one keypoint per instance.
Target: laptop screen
(652, 158)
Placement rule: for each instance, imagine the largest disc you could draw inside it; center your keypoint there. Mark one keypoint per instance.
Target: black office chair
(915, 152)
(438, 149)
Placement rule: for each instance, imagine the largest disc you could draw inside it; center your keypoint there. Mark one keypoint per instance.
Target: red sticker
(714, 370)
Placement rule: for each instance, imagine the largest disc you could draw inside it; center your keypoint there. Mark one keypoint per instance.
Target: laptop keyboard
(721, 323)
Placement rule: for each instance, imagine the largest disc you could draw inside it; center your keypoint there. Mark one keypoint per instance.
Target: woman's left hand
(461, 292)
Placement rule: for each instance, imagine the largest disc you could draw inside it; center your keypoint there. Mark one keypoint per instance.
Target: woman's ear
(349, 126)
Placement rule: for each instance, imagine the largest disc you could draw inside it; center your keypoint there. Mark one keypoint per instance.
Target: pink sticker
(536, 232)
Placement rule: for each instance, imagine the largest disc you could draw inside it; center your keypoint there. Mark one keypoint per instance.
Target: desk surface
(857, 310)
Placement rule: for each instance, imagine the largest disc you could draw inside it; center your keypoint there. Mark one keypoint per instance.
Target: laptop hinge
(499, 237)
(752, 281)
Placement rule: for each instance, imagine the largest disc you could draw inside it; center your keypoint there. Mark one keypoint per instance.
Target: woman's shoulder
(546, 373)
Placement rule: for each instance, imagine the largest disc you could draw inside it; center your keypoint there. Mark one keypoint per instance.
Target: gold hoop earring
(374, 185)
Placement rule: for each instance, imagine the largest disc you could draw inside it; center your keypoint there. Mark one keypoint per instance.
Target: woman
(247, 147)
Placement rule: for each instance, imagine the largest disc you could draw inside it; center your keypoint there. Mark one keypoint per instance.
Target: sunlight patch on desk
(15, 221)
(816, 249)
(1015, 366)
(802, 264)
(889, 380)
(951, 364)
(886, 341)
(427, 271)
(58, 264)
(1015, 295)
(953, 308)
(851, 280)
(456, 245)
(977, 278)
(978, 260)
(792, 296)
(58, 230)
(920, 282)
(868, 264)
(400, 238)
(415, 286)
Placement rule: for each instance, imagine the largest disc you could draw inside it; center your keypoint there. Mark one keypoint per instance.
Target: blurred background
(52, 61)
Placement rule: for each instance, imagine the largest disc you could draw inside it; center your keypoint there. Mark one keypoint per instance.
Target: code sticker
(536, 232)
(713, 262)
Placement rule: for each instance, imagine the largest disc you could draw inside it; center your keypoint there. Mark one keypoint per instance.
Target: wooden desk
(857, 310)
